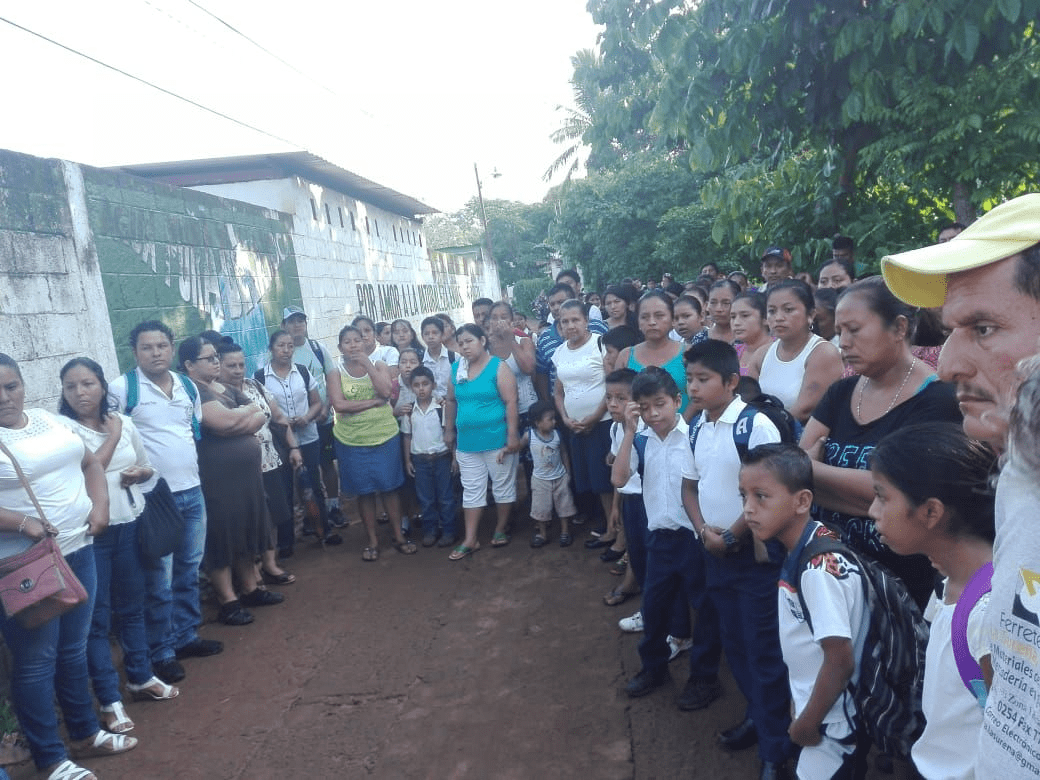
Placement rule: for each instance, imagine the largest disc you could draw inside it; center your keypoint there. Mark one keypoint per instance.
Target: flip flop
(370, 554)
(500, 539)
(462, 551)
(618, 596)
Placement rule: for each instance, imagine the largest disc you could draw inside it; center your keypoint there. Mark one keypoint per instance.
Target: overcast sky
(409, 93)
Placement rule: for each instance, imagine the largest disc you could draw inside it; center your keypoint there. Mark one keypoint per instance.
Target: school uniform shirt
(634, 486)
(441, 368)
(833, 594)
(426, 429)
(582, 373)
(386, 353)
(293, 396)
(1012, 626)
(664, 464)
(547, 456)
(164, 422)
(946, 749)
(716, 462)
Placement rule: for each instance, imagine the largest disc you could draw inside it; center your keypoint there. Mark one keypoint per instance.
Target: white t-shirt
(51, 457)
(663, 468)
(716, 463)
(129, 452)
(582, 374)
(833, 594)
(426, 429)
(386, 353)
(164, 422)
(946, 750)
(547, 456)
(1012, 626)
(634, 486)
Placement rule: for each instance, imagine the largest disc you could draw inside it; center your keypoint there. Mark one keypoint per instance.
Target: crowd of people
(752, 454)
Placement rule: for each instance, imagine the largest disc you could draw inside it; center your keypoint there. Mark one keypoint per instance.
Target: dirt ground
(504, 665)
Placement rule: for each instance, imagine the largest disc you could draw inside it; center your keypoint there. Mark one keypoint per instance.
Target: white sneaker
(632, 624)
(678, 646)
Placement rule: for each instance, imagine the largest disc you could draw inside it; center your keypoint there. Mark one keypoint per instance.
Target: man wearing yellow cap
(987, 280)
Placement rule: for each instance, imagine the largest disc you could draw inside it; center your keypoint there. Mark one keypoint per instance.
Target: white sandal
(66, 770)
(154, 689)
(119, 722)
(104, 743)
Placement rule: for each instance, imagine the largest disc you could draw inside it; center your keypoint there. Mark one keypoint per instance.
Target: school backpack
(133, 396)
(318, 352)
(773, 408)
(745, 424)
(891, 666)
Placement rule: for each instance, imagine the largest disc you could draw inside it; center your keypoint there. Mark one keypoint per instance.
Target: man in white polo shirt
(166, 409)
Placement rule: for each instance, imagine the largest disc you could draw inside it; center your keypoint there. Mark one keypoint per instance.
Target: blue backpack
(133, 395)
(741, 435)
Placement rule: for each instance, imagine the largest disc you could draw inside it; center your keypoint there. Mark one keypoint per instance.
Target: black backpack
(773, 408)
(891, 666)
(258, 375)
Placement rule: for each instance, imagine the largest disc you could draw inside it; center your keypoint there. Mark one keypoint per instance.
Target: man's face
(842, 255)
(993, 325)
(574, 283)
(481, 313)
(775, 269)
(555, 302)
(296, 326)
(153, 353)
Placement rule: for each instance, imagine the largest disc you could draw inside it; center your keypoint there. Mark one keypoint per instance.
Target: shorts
(366, 470)
(476, 467)
(547, 493)
(327, 442)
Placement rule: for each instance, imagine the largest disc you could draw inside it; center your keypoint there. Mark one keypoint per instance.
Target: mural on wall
(194, 261)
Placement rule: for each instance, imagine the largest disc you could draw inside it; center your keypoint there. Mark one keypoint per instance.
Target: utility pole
(483, 215)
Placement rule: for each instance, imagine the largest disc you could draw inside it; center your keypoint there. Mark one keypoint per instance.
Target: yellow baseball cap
(919, 276)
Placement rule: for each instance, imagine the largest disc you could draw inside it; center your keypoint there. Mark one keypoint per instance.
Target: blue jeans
(52, 660)
(436, 494)
(172, 612)
(633, 517)
(675, 569)
(744, 595)
(120, 594)
(311, 454)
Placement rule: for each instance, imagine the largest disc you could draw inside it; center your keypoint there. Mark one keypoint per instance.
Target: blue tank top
(675, 367)
(480, 419)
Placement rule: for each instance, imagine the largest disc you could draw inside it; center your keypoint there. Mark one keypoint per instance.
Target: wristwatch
(731, 541)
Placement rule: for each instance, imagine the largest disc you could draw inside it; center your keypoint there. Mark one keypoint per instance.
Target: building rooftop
(255, 167)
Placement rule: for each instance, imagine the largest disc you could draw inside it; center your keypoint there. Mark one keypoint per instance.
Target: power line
(150, 84)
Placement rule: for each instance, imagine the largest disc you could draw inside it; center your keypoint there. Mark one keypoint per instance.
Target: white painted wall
(52, 302)
(333, 260)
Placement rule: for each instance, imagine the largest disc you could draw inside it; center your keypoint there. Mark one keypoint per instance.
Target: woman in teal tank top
(481, 423)
(654, 313)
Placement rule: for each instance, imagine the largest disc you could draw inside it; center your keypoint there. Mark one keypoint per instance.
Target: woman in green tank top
(367, 440)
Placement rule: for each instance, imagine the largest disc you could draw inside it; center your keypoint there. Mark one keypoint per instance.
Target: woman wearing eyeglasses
(238, 524)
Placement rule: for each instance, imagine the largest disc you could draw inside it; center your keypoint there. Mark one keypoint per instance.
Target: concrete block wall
(52, 302)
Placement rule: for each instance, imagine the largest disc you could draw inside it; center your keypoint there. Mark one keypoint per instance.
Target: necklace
(866, 381)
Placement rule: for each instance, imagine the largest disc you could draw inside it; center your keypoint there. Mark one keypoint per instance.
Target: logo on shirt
(834, 564)
(1027, 597)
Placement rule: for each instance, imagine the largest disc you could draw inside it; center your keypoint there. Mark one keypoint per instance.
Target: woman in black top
(892, 389)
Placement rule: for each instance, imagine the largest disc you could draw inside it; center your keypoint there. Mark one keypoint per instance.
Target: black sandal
(234, 614)
(285, 578)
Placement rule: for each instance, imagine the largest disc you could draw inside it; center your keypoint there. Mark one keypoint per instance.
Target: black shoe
(610, 555)
(332, 539)
(447, 540)
(200, 648)
(740, 737)
(430, 539)
(258, 597)
(234, 614)
(645, 682)
(169, 671)
(595, 544)
(336, 518)
(772, 771)
(699, 693)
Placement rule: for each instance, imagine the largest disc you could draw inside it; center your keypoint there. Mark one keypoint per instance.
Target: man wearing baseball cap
(776, 266)
(987, 281)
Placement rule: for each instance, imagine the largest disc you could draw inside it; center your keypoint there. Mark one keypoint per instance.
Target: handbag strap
(24, 481)
(970, 671)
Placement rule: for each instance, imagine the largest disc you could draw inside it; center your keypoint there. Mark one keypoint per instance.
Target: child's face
(423, 388)
(618, 395)
(407, 363)
(896, 519)
(687, 320)
(659, 411)
(706, 388)
(546, 423)
(770, 508)
(431, 336)
(610, 358)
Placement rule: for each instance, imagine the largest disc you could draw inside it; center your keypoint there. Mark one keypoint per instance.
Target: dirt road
(505, 665)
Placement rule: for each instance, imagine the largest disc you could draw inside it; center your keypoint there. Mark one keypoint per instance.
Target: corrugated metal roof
(310, 167)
